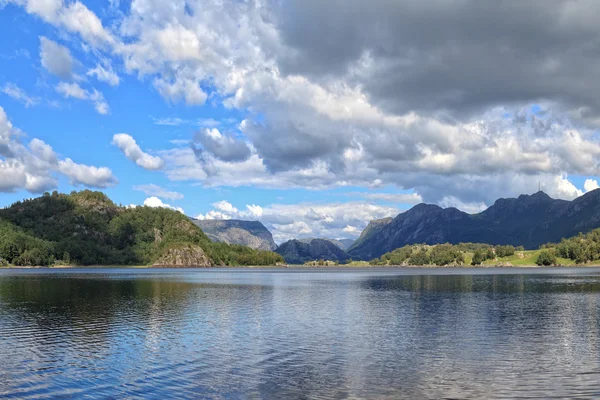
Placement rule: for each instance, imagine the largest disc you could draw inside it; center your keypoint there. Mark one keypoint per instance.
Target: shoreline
(299, 266)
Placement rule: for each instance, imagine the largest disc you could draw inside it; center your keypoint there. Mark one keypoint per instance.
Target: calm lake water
(393, 333)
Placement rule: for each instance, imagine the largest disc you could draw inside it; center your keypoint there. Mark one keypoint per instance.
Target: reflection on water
(298, 334)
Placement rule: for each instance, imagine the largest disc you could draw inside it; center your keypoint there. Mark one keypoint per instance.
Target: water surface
(314, 334)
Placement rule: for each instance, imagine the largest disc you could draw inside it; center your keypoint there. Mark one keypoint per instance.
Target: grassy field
(522, 258)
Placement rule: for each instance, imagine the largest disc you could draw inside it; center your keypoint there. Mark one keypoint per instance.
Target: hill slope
(246, 233)
(87, 228)
(529, 220)
(297, 252)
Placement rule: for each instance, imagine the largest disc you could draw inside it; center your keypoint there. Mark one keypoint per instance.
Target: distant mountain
(529, 220)
(341, 243)
(298, 252)
(346, 243)
(247, 233)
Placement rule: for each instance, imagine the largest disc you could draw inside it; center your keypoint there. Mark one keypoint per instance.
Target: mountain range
(529, 221)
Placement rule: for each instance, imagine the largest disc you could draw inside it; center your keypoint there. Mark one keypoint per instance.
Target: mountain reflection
(294, 334)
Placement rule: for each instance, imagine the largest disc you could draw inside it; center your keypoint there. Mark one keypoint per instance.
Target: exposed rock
(188, 256)
(247, 233)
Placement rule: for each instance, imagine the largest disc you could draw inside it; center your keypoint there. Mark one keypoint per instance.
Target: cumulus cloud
(224, 148)
(455, 102)
(72, 16)
(127, 144)
(35, 167)
(157, 191)
(15, 92)
(55, 58)
(99, 177)
(155, 202)
(73, 90)
(181, 89)
(590, 184)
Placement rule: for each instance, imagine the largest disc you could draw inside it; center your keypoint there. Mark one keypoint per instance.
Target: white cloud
(170, 121)
(35, 166)
(73, 90)
(225, 206)
(181, 89)
(471, 208)
(254, 210)
(72, 16)
(387, 108)
(213, 215)
(105, 75)
(590, 184)
(564, 189)
(12, 90)
(400, 198)
(56, 59)
(155, 202)
(157, 191)
(288, 221)
(127, 144)
(99, 177)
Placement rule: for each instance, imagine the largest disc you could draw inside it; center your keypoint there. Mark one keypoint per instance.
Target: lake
(311, 334)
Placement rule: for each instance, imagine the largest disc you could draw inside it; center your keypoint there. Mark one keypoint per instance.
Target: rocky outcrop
(188, 256)
(246, 233)
(529, 221)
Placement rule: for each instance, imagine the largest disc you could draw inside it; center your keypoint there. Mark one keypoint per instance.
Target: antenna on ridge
(539, 186)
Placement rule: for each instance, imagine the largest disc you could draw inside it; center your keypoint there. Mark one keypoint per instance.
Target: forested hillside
(85, 228)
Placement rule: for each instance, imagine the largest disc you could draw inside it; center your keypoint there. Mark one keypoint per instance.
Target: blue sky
(234, 110)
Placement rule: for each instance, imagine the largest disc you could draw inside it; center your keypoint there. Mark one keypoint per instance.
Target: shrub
(545, 258)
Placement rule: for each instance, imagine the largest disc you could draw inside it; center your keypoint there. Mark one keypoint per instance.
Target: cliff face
(298, 252)
(247, 233)
(529, 220)
(188, 256)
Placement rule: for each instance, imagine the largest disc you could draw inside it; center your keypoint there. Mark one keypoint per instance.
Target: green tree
(478, 258)
(545, 258)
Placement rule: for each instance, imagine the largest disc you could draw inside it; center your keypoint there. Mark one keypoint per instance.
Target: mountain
(85, 228)
(341, 243)
(247, 233)
(371, 229)
(297, 252)
(529, 220)
(346, 243)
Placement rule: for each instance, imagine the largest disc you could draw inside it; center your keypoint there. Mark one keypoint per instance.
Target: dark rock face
(247, 233)
(298, 252)
(529, 220)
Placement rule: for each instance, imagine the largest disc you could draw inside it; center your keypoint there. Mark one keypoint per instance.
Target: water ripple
(382, 334)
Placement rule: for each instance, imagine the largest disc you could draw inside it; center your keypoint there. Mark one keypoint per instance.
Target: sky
(312, 117)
